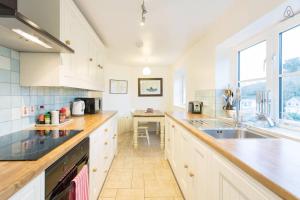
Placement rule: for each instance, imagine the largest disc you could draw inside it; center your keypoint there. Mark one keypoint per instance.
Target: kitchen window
(271, 61)
(289, 75)
(179, 93)
(252, 74)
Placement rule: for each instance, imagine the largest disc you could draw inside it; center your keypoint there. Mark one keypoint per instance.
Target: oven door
(58, 176)
(62, 190)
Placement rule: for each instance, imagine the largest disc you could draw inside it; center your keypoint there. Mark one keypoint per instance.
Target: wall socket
(31, 110)
(24, 111)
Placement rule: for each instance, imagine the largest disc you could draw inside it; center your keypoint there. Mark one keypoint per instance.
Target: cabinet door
(167, 138)
(68, 17)
(96, 163)
(233, 184)
(34, 190)
(99, 78)
(115, 135)
(198, 172)
(184, 162)
(176, 154)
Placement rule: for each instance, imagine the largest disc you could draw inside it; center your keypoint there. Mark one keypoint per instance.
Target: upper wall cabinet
(84, 68)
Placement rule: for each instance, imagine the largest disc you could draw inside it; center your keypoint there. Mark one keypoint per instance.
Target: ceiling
(171, 26)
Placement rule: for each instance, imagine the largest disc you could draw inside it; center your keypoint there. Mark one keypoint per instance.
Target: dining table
(142, 116)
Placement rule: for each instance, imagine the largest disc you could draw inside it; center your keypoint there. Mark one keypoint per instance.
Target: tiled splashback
(208, 98)
(13, 96)
(212, 102)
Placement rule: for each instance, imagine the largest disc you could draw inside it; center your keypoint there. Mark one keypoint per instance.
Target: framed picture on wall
(150, 87)
(118, 86)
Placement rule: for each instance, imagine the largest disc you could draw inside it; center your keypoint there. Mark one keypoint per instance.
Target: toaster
(195, 107)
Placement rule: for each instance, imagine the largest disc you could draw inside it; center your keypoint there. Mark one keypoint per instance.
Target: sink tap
(237, 108)
(263, 117)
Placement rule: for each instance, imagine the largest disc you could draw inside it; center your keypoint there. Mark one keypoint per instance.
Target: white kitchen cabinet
(202, 173)
(168, 128)
(83, 69)
(34, 190)
(102, 152)
(184, 159)
(198, 171)
(231, 183)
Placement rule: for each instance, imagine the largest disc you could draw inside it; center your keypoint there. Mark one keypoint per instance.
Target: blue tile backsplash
(13, 96)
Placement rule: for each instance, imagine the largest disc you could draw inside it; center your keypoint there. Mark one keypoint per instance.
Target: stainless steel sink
(235, 133)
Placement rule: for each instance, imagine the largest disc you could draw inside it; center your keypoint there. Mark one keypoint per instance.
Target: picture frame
(118, 86)
(150, 87)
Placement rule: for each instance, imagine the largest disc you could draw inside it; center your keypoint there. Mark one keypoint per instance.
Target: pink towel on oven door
(80, 185)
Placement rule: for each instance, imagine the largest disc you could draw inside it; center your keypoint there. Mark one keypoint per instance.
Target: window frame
(280, 29)
(258, 39)
(273, 64)
(180, 74)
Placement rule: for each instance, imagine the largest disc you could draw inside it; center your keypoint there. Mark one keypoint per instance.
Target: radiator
(125, 124)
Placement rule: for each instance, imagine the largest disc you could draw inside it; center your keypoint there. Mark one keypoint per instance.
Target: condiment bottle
(47, 118)
(41, 119)
(62, 115)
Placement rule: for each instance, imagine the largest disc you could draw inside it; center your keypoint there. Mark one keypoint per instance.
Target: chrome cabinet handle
(68, 42)
(191, 175)
(100, 66)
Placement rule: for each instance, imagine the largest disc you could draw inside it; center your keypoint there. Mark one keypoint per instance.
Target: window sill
(280, 132)
(179, 106)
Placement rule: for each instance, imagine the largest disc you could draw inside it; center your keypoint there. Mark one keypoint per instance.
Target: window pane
(248, 93)
(291, 50)
(252, 62)
(291, 98)
(179, 88)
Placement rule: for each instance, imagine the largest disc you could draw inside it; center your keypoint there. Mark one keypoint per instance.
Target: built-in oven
(58, 176)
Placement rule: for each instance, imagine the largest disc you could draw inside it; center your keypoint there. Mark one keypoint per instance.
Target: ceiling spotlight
(146, 71)
(144, 12)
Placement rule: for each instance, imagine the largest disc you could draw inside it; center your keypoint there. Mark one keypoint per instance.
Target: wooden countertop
(15, 174)
(142, 113)
(275, 163)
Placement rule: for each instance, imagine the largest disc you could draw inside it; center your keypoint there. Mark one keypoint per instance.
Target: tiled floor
(141, 174)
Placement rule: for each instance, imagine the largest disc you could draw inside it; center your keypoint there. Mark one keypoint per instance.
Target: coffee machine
(195, 107)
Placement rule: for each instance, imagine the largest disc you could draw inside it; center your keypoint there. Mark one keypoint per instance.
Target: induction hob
(32, 144)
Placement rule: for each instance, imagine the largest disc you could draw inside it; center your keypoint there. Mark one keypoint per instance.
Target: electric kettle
(78, 108)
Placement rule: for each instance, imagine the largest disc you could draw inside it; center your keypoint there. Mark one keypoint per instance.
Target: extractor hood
(20, 33)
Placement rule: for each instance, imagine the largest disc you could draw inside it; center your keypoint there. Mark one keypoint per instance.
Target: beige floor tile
(141, 173)
(130, 194)
(138, 182)
(160, 198)
(108, 193)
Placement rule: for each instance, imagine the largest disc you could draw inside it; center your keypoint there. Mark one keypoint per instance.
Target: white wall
(127, 102)
(200, 60)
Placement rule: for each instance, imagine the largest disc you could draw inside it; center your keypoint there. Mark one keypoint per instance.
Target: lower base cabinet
(103, 146)
(34, 190)
(204, 174)
(233, 184)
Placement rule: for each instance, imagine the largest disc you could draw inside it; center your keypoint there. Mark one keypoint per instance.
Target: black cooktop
(32, 144)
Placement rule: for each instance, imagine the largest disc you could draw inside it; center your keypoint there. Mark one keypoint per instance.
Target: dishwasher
(59, 175)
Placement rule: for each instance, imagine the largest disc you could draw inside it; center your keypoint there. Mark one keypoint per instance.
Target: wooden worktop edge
(277, 189)
(37, 167)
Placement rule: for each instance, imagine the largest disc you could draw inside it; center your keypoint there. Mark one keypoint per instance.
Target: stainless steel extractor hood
(20, 33)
